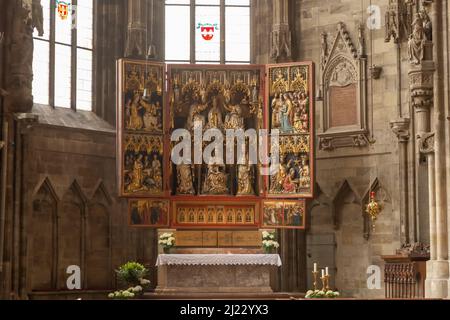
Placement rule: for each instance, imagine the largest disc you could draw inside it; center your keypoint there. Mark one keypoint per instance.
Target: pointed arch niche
(98, 239)
(71, 232)
(344, 92)
(42, 244)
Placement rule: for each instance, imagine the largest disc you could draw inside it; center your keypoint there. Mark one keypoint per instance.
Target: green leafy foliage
(132, 273)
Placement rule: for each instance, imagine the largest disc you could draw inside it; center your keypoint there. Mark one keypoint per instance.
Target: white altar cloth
(219, 260)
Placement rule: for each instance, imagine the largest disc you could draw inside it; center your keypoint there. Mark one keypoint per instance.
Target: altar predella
(155, 99)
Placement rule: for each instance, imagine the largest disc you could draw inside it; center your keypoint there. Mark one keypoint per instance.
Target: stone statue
(38, 18)
(215, 182)
(416, 41)
(427, 25)
(185, 181)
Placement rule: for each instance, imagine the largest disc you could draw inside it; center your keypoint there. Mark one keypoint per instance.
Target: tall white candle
(323, 273)
(315, 267)
(326, 271)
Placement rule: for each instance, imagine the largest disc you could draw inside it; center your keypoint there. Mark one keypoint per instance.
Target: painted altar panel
(140, 120)
(290, 110)
(284, 214)
(154, 213)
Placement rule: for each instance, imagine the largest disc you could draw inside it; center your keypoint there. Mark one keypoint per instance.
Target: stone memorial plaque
(343, 106)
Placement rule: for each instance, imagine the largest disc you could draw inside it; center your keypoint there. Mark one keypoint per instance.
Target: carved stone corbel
(26, 121)
(401, 129)
(426, 143)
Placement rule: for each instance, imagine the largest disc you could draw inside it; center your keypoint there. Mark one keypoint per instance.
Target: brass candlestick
(327, 283)
(324, 283)
(315, 274)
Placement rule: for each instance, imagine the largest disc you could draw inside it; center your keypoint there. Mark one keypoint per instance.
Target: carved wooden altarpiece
(155, 100)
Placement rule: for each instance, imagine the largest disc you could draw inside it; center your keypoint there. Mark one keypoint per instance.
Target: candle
(326, 271)
(323, 273)
(315, 267)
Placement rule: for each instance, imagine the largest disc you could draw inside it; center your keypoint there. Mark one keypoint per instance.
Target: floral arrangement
(167, 240)
(130, 293)
(320, 294)
(268, 241)
(133, 274)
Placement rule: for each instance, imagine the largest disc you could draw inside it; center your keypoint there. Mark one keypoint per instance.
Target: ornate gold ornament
(373, 209)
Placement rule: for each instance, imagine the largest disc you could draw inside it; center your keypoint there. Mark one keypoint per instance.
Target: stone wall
(345, 175)
(71, 214)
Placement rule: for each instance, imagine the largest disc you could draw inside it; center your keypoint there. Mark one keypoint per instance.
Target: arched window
(207, 31)
(62, 60)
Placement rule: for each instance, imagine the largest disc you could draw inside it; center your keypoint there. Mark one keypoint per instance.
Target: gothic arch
(98, 231)
(71, 231)
(345, 194)
(42, 245)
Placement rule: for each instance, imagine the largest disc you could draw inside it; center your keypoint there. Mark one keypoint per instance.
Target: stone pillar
(23, 18)
(426, 146)
(281, 44)
(111, 23)
(438, 268)
(401, 130)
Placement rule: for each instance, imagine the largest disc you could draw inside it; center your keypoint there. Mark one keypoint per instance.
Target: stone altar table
(215, 273)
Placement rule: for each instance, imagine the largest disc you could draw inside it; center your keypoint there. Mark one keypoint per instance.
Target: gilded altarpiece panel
(219, 196)
(290, 111)
(140, 128)
(224, 99)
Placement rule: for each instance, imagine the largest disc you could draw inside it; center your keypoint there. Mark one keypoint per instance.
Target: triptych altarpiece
(155, 99)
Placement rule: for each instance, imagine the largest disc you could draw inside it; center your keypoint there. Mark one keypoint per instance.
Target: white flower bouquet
(167, 241)
(320, 294)
(268, 242)
(130, 293)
